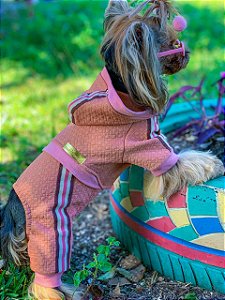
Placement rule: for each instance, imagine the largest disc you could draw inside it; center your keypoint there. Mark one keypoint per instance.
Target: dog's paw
(199, 167)
(215, 168)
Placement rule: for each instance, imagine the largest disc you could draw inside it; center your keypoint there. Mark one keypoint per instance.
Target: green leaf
(77, 279)
(91, 265)
(101, 258)
(111, 240)
(101, 249)
(190, 296)
(84, 274)
(105, 267)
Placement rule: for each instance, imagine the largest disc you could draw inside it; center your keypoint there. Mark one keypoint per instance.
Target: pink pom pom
(179, 23)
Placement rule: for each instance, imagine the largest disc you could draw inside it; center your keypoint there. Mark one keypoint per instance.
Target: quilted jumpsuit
(103, 138)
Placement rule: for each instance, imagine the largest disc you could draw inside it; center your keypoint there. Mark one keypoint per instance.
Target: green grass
(51, 57)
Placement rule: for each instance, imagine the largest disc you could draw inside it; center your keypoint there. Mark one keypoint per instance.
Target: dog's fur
(129, 48)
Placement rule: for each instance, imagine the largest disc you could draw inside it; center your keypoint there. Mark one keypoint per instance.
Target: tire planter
(182, 238)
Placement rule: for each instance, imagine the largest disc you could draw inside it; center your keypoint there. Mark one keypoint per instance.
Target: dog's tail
(13, 242)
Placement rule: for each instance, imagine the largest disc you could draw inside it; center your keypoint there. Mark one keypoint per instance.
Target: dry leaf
(130, 262)
(133, 275)
(116, 291)
(96, 292)
(118, 280)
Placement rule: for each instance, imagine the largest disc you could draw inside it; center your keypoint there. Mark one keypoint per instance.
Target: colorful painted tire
(183, 238)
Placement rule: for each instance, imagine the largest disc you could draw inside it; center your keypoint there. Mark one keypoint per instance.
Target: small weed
(99, 264)
(190, 296)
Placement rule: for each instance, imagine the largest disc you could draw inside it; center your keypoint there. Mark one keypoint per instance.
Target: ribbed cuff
(166, 165)
(48, 280)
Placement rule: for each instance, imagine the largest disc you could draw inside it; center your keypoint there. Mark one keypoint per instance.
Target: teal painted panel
(156, 209)
(186, 233)
(136, 247)
(141, 213)
(217, 279)
(216, 182)
(117, 195)
(201, 201)
(128, 239)
(167, 267)
(201, 276)
(145, 248)
(177, 268)
(188, 273)
(156, 265)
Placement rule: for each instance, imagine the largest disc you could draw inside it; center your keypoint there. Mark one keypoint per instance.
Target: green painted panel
(201, 201)
(186, 233)
(136, 178)
(156, 209)
(124, 189)
(141, 213)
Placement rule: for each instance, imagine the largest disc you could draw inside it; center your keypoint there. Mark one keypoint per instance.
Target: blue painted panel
(207, 225)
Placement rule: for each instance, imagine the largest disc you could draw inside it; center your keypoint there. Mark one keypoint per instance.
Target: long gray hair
(133, 41)
(13, 241)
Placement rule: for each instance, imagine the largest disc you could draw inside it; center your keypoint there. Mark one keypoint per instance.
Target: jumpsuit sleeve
(149, 149)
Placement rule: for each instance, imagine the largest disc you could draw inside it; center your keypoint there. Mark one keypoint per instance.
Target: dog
(113, 124)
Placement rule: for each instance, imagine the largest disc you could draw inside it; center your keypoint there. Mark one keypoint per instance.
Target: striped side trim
(62, 219)
(82, 99)
(155, 133)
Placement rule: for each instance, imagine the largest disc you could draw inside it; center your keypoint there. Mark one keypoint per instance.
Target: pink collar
(173, 51)
(117, 103)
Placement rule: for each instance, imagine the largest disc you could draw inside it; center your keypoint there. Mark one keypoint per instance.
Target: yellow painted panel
(221, 207)
(214, 240)
(179, 217)
(127, 204)
(116, 183)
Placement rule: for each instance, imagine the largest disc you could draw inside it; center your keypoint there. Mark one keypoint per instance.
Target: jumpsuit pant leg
(50, 239)
(51, 196)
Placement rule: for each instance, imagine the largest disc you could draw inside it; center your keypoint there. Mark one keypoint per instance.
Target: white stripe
(86, 97)
(66, 238)
(59, 223)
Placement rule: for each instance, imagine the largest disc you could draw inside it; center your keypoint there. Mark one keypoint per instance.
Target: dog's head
(12, 231)
(137, 47)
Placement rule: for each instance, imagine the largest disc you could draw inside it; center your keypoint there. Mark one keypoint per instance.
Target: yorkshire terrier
(113, 124)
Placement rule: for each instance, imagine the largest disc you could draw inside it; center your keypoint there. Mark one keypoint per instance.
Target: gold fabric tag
(74, 153)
